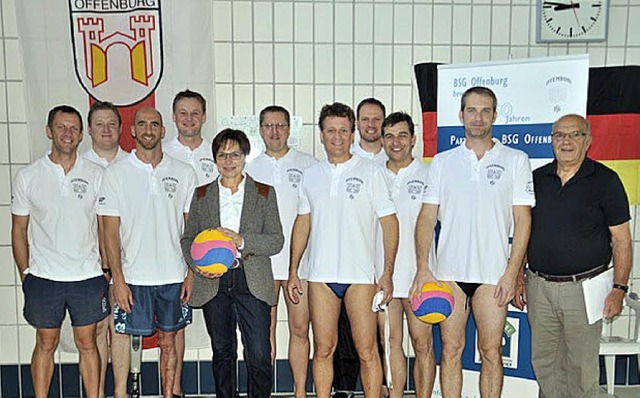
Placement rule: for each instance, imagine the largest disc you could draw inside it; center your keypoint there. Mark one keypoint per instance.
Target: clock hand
(572, 6)
(553, 3)
(575, 13)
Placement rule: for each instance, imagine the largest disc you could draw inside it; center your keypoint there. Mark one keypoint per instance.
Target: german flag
(613, 109)
(427, 79)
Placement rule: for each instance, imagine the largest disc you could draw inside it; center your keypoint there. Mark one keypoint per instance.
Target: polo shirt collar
(146, 166)
(586, 168)
(50, 164)
(471, 155)
(344, 165)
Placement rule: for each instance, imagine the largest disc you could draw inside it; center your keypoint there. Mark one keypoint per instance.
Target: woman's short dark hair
(230, 135)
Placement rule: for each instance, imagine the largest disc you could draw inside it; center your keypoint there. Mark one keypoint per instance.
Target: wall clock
(565, 21)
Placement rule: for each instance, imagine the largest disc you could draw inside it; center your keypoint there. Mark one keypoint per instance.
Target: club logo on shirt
(208, 166)
(79, 187)
(295, 177)
(414, 188)
(494, 173)
(170, 185)
(354, 185)
(529, 188)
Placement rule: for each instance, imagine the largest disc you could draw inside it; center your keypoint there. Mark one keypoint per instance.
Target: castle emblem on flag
(117, 48)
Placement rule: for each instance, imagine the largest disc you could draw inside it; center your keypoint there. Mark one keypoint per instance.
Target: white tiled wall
(302, 55)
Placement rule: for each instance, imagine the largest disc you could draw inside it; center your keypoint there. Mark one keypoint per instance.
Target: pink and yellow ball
(434, 303)
(213, 252)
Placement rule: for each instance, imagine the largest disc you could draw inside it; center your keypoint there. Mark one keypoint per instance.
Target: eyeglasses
(277, 126)
(232, 155)
(573, 135)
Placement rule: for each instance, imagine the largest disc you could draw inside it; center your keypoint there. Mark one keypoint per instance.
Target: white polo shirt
(201, 158)
(62, 218)
(406, 191)
(151, 204)
(476, 199)
(285, 175)
(91, 155)
(379, 158)
(345, 202)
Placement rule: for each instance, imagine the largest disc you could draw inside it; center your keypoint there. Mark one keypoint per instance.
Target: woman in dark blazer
(247, 212)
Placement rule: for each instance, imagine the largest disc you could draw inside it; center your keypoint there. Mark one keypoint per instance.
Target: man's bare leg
(324, 310)
(490, 319)
(298, 315)
(120, 357)
(453, 331)
(424, 369)
(85, 338)
(42, 360)
(177, 381)
(398, 359)
(364, 331)
(167, 344)
(102, 341)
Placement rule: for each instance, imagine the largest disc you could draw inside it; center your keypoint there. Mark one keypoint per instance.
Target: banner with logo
(132, 53)
(532, 94)
(613, 108)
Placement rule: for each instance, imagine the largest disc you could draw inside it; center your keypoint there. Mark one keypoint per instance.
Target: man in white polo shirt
(190, 147)
(407, 178)
(60, 264)
(105, 128)
(342, 199)
(144, 201)
(283, 168)
(478, 191)
(370, 114)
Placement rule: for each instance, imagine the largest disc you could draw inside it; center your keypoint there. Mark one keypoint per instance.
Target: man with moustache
(105, 128)
(477, 191)
(580, 222)
(144, 202)
(58, 260)
(342, 199)
(283, 168)
(190, 147)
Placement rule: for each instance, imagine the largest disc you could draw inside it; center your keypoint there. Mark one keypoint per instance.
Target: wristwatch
(624, 288)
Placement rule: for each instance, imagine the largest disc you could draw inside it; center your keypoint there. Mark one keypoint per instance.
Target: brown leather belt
(572, 278)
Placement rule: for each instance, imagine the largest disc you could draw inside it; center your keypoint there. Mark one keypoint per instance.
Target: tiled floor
(620, 392)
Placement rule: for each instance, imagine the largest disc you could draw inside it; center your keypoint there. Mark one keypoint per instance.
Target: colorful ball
(434, 303)
(213, 252)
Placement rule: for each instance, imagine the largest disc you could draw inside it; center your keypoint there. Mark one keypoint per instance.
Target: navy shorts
(153, 307)
(46, 301)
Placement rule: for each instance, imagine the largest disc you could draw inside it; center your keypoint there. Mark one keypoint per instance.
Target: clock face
(567, 21)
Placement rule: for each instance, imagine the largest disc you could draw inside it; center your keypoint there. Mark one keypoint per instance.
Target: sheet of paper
(595, 292)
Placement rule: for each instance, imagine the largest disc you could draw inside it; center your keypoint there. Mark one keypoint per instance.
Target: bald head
(585, 126)
(147, 111)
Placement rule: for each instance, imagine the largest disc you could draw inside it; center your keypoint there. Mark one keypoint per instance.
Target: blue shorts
(153, 307)
(46, 301)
